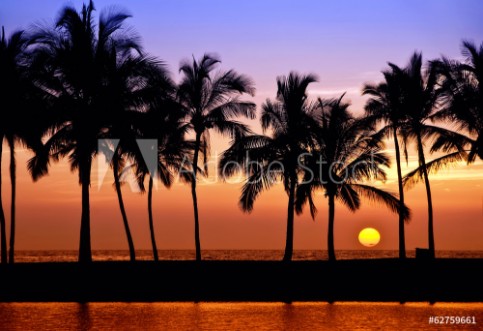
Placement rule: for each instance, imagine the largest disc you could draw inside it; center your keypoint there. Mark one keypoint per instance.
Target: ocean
(258, 255)
(240, 316)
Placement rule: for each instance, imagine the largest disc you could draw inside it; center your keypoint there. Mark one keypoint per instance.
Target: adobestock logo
(309, 167)
(146, 151)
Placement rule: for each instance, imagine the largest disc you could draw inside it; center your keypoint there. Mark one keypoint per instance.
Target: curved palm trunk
(85, 253)
(422, 163)
(330, 235)
(402, 240)
(195, 199)
(3, 230)
(290, 220)
(13, 181)
(150, 214)
(117, 183)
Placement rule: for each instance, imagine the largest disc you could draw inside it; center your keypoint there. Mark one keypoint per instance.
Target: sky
(345, 43)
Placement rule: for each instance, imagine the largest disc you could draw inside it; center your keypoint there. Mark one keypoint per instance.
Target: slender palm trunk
(330, 235)
(117, 183)
(290, 220)
(195, 199)
(3, 230)
(150, 214)
(13, 181)
(422, 163)
(402, 240)
(85, 254)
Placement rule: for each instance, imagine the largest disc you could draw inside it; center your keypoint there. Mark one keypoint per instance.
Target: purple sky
(346, 43)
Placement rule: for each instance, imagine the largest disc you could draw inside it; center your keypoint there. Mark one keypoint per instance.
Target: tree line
(64, 88)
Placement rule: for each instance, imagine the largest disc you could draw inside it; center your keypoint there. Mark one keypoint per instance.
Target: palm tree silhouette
(118, 163)
(463, 94)
(79, 62)
(16, 90)
(384, 106)
(135, 85)
(11, 53)
(210, 102)
(289, 119)
(164, 124)
(347, 153)
(421, 98)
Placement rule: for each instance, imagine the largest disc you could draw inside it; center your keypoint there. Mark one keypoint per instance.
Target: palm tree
(162, 127)
(210, 102)
(11, 52)
(135, 86)
(78, 61)
(421, 99)
(289, 119)
(117, 168)
(118, 151)
(463, 96)
(166, 127)
(348, 152)
(384, 106)
(19, 96)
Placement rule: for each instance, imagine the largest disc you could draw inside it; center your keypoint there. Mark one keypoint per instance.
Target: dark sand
(455, 280)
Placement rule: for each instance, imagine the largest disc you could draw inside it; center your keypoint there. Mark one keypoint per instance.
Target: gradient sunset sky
(346, 43)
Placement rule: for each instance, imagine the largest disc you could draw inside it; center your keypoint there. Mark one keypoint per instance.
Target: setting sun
(369, 237)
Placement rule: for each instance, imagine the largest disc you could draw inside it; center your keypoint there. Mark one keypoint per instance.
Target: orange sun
(369, 237)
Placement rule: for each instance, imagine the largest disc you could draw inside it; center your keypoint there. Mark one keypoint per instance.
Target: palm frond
(273, 116)
(349, 197)
(257, 182)
(232, 108)
(413, 177)
(377, 195)
(230, 128)
(304, 195)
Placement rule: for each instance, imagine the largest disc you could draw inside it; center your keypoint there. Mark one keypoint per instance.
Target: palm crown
(210, 102)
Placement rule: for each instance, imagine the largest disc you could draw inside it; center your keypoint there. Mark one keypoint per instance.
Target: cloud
(336, 91)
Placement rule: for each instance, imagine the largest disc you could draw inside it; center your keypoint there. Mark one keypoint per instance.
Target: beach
(440, 280)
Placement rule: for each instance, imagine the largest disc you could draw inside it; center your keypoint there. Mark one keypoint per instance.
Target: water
(260, 255)
(228, 315)
(234, 316)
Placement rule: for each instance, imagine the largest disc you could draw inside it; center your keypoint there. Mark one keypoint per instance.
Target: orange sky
(49, 214)
(346, 43)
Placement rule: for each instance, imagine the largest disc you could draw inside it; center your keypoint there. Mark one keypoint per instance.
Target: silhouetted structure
(463, 95)
(92, 77)
(211, 102)
(420, 101)
(290, 120)
(441, 280)
(385, 107)
(348, 152)
(20, 98)
(164, 124)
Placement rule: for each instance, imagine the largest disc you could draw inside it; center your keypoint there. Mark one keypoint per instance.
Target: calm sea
(261, 255)
(236, 316)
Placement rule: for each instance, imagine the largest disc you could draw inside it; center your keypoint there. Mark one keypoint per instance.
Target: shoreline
(388, 280)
